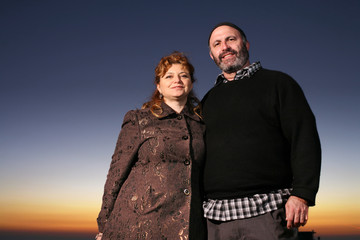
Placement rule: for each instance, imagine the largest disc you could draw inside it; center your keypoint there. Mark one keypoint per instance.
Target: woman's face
(176, 84)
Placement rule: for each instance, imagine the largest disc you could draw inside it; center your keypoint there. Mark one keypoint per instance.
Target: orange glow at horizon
(80, 216)
(332, 229)
(327, 220)
(49, 217)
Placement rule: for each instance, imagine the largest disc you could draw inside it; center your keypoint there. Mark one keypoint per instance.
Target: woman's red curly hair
(163, 66)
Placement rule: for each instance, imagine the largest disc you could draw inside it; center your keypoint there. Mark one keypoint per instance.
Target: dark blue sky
(69, 71)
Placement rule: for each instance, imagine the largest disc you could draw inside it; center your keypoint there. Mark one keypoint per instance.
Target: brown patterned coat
(152, 189)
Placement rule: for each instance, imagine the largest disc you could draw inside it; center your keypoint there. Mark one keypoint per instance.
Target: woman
(152, 189)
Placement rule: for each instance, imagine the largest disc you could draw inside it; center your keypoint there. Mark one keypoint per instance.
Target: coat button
(185, 137)
(179, 117)
(187, 162)
(186, 192)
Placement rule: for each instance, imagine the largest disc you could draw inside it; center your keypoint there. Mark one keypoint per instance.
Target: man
(263, 151)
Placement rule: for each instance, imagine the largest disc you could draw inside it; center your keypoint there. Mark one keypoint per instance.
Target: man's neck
(231, 76)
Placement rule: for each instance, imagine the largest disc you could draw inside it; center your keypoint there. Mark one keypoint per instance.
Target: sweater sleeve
(122, 160)
(299, 127)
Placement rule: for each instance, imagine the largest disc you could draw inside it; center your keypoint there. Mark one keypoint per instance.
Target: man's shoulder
(274, 77)
(272, 73)
(208, 93)
(263, 74)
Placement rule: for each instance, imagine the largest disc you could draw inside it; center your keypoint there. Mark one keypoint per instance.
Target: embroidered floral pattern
(152, 189)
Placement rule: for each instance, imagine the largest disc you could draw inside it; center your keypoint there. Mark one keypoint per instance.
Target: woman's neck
(176, 105)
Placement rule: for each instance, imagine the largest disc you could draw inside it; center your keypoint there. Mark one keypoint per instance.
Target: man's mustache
(229, 50)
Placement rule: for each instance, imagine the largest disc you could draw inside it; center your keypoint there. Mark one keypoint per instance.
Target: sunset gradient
(80, 216)
(70, 70)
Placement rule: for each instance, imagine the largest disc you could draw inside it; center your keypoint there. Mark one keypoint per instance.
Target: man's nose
(224, 46)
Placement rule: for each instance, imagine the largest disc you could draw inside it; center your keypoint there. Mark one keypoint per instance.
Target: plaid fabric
(245, 72)
(233, 209)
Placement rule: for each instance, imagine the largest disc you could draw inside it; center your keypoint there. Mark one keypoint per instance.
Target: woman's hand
(98, 236)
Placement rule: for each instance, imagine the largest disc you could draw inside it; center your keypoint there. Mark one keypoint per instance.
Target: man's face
(228, 50)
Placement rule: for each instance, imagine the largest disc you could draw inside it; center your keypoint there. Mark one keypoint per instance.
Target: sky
(71, 69)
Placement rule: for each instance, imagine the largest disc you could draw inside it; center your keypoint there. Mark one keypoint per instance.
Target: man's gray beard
(241, 59)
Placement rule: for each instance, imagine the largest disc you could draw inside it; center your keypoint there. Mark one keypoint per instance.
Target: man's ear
(212, 57)
(247, 45)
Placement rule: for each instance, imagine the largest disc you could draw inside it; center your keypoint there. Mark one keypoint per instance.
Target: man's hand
(296, 212)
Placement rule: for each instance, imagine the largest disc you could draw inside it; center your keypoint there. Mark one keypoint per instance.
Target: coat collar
(168, 112)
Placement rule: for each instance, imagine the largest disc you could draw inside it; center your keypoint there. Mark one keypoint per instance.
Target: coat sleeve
(299, 127)
(123, 159)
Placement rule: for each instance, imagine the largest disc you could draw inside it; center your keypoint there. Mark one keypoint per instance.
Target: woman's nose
(177, 79)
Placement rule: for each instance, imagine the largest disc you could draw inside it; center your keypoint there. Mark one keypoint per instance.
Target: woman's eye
(168, 76)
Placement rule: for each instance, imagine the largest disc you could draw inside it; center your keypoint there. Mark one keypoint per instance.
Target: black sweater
(261, 136)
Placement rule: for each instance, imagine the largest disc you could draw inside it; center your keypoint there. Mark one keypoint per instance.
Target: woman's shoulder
(136, 115)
